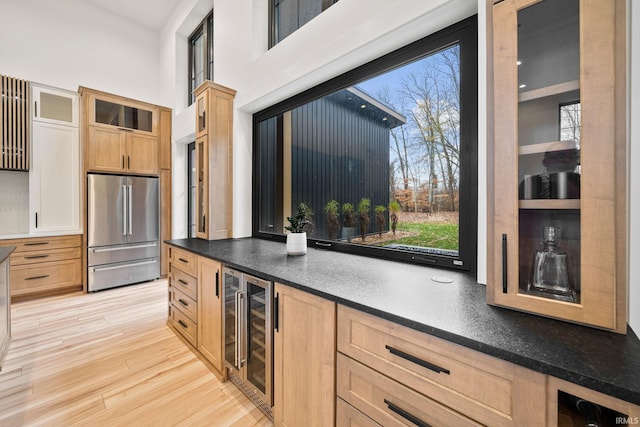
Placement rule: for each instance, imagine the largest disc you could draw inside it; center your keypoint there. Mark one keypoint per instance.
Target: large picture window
(200, 55)
(385, 155)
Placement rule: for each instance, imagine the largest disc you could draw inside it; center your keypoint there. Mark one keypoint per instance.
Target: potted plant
(394, 208)
(298, 226)
(364, 206)
(348, 221)
(381, 218)
(333, 223)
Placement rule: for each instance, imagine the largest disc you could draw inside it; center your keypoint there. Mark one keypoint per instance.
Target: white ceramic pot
(297, 243)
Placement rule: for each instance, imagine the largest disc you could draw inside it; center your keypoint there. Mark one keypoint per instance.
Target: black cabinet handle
(35, 256)
(128, 162)
(183, 282)
(36, 243)
(183, 302)
(217, 283)
(37, 277)
(123, 161)
(417, 361)
(276, 314)
(184, 325)
(183, 260)
(504, 263)
(36, 219)
(406, 415)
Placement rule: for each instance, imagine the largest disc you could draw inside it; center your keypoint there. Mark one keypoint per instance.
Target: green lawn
(443, 236)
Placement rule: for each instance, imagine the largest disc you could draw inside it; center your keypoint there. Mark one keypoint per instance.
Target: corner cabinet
(214, 161)
(210, 313)
(123, 135)
(557, 186)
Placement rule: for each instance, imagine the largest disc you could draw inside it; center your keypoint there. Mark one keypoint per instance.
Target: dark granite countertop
(603, 361)
(5, 251)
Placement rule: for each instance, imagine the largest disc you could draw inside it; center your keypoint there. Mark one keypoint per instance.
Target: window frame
(273, 27)
(463, 33)
(204, 28)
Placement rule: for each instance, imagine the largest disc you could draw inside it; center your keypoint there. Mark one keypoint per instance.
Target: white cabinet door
(52, 105)
(54, 194)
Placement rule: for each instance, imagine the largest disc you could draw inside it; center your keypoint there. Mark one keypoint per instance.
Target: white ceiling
(149, 13)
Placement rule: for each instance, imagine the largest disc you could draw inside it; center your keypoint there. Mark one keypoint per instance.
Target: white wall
(71, 43)
(634, 170)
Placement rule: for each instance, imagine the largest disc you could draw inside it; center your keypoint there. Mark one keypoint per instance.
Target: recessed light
(522, 86)
(363, 106)
(519, 62)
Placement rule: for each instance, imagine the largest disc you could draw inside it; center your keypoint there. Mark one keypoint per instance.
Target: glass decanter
(550, 275)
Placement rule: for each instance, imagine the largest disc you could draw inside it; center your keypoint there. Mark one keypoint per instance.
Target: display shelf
(547, 147)
(549, 91)
(550, 204)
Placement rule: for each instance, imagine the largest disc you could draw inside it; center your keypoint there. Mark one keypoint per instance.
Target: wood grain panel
(14, 113)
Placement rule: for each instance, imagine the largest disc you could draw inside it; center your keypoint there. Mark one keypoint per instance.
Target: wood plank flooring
(108, 359)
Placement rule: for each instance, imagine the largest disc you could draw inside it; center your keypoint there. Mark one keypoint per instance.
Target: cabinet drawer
(183, 325)
(27, 279)
(183, 303)
(43, 243)
(184, 260)
(347, 415)
(388, 402)
(184, 282)
(48, 255)
(482, 387)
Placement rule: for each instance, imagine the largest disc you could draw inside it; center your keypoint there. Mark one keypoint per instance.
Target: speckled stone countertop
(5, 251)
(406, 294)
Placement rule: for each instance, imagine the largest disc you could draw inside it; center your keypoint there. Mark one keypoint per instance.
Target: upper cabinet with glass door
(52, 105)
(557, 174)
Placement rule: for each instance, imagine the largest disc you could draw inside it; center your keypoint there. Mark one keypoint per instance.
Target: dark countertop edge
(595, 384)
(5, 251)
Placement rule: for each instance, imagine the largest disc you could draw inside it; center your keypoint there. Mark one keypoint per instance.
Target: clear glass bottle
(550, 273)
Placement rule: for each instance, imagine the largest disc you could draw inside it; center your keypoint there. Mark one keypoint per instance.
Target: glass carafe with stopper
(550, 275)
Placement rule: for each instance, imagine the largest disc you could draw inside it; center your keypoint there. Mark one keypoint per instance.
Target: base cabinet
(183, 294)
(395, 374)
(45, 266)
(210, 312)
(304, 359)
(5, 310)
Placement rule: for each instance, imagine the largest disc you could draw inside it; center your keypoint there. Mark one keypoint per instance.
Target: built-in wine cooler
(248, 335)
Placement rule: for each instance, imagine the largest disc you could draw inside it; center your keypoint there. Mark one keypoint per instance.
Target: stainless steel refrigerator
(123, 230)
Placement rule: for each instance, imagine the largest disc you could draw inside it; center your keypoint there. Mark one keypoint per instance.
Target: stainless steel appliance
(122, 230)
(248, 332)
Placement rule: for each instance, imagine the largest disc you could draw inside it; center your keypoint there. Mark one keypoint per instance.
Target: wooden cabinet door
(304, 359)
(202, 188)
(210, 311)
(142, 154)
(54, 180)
(106, 149)
(557, 231)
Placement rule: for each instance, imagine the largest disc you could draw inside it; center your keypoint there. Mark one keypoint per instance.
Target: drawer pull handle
(36, 256)
(417, 361)
(184, 325)
(183, 302)
(37, 277)
(183, 282)
(36, 243)
(504, 264)
(406, 415)
(183, 260)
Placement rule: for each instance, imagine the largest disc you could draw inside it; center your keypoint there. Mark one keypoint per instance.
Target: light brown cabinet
(183, 294)
(214, 161)
(557, 209)
(304, 359)
(45, 266)
(394, 374)
(210, 312)
(122, 135)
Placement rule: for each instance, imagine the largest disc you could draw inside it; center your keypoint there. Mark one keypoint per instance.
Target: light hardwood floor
(109, 359)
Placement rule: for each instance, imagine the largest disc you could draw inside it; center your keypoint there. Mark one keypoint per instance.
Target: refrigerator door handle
(238, 331)
(117, 267)
(130, 208)
(124, 210)
(147, 245)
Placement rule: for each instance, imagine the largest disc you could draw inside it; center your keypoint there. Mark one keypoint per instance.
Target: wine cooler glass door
(258, 342)
(231, 290)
